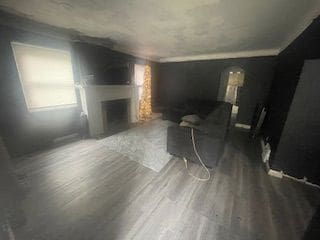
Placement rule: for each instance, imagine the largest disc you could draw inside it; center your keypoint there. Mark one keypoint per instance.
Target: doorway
(231, 83)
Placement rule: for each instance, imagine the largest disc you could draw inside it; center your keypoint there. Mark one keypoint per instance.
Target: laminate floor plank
(82, 190)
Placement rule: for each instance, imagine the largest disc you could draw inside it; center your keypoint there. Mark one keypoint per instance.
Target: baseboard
(265, 155)
(301, 180)
(66, 139)
(274, 173)
(244, 126)
(281, 174)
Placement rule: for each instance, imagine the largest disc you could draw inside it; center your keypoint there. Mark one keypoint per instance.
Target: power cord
(200, 160)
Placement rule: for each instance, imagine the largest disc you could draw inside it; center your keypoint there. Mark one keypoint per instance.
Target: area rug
(145, 144)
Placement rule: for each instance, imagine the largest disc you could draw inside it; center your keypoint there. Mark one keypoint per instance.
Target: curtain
(145, 110)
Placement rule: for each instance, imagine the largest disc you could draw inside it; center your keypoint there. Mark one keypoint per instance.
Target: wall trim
(226, 55)
(280, 174)
(127, 51)
(314, 13)
(244, 126)
(274, 173)
(302, 180)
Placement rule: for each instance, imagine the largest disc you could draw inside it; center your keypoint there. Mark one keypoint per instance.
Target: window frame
(48, 108)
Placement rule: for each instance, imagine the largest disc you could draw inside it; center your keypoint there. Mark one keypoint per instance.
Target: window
(46, 76)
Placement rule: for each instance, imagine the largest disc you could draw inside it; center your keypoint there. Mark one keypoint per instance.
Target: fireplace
(108, 107)
(115, 115)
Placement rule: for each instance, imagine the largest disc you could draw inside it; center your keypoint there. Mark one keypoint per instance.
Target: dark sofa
(176, 111)
(210, 134)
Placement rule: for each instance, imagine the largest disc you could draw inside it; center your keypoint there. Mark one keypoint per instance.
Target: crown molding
(228, 55)
(127, 51)
(301, 27)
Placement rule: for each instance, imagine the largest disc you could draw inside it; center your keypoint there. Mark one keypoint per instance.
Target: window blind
(46, 76)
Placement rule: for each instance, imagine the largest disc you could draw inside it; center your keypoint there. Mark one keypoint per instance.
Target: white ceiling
(178, 30)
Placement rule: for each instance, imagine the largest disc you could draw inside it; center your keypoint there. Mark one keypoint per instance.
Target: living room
(159, 119)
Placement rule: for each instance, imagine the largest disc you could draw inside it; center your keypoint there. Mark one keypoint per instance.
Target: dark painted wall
(298, 151)
(25, 132)
(22, 130)
(94, 60)
(287, 73)
(291, 126)
(201, 79)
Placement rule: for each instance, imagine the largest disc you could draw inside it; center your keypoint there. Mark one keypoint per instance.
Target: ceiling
(179, 30)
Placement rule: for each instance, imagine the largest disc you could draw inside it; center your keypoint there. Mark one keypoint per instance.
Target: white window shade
(139, 74)
(46, 76)
(139, 78)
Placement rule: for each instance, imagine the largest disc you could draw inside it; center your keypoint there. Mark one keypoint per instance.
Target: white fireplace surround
(93, 95)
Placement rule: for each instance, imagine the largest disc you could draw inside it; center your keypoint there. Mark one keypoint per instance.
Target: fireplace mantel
(93, 95)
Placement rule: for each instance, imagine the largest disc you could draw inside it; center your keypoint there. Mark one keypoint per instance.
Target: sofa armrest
(186, 131)
(179, 143)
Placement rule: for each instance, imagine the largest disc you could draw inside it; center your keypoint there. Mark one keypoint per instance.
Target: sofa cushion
(187, 124)
(193, 119)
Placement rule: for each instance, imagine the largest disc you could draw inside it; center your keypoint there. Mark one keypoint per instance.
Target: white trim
(125, 50)
(19, 74)
(226, 55)
(302, 180)
(265, 159)
(281, 174)
(312, 184)
(274, 173)
(301, 27)
(244, 126)
(93, 95)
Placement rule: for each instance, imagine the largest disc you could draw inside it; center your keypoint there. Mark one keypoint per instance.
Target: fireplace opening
(115, 115)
